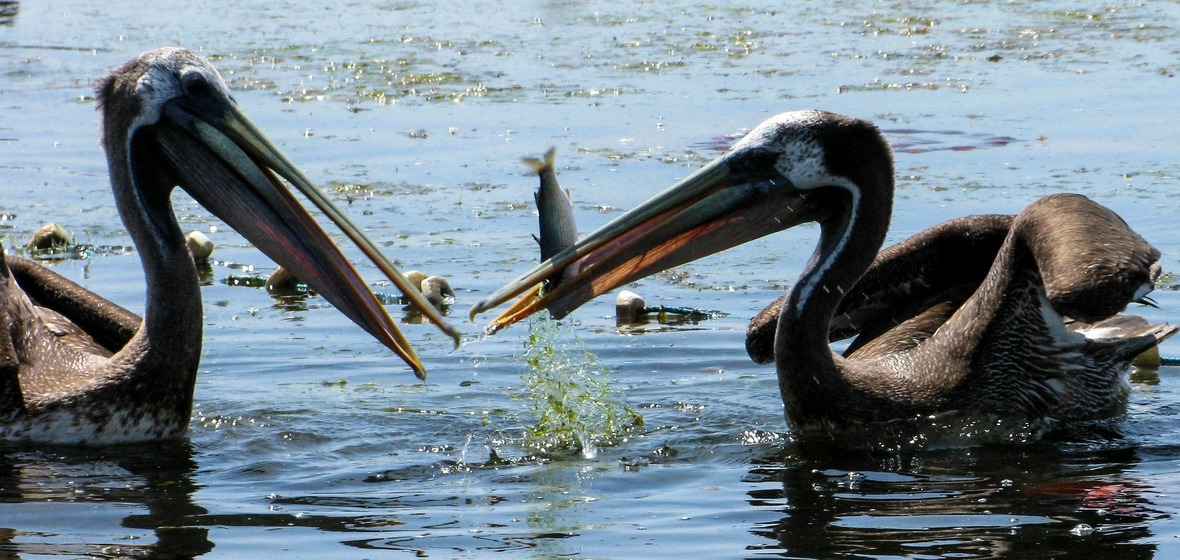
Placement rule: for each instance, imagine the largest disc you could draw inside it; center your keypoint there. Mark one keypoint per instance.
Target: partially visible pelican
(78, 369)
(999, 347)
(435, 289)
(49, 237)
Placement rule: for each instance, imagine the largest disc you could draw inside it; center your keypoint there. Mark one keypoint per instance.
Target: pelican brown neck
(852, 231)
(849, 239)
(854, 187)
(170, 335)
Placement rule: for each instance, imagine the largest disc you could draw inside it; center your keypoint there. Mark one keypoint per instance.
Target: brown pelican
(48, 238)
(435, 289)
(999, 347)
(77, 369)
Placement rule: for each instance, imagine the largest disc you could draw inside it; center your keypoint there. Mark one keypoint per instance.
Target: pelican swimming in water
(78, 369)
(991, 342)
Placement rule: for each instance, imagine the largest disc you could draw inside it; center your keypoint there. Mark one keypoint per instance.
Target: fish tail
(542, 165)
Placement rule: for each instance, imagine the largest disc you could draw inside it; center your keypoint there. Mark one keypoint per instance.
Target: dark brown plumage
(924, 275)
(78, 369)
(965, 317)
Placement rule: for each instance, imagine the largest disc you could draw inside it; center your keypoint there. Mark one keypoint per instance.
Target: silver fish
(555, 210)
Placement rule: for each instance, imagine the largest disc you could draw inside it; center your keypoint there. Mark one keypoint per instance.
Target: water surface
(311, 440)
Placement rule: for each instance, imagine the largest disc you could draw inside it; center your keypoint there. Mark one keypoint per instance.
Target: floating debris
(914, 141)
(282, 282)
(199, 246)
(628, 306)
(691, 313)
(51, 237)
(631, 309)
(1149, 359)
(245, 280)
(1082, 530)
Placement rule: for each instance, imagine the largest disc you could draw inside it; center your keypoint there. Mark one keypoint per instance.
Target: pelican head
(791, 169)
(169, 120)
(977, 333)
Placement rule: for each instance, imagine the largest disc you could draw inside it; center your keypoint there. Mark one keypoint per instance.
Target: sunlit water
(310, 440)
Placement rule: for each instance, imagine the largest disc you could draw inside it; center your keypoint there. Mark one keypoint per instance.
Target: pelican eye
(194, 83)
(755, 162)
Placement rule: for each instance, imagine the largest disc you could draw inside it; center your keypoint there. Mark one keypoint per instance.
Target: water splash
(570, 394)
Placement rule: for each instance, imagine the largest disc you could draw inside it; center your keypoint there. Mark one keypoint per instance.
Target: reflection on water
(8, 11)
(71, 483)
(939, 505)
(1037, 500)
(310, 440)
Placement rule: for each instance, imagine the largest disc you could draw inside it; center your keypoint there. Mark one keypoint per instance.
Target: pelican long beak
(718, 207)
(233, 170)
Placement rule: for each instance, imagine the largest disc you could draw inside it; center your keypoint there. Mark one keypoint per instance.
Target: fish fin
(542, 165)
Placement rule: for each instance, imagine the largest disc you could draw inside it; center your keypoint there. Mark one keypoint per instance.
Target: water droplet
(1081, 530)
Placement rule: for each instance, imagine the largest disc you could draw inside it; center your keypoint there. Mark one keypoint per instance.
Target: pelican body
(937, 334)
(78, 369)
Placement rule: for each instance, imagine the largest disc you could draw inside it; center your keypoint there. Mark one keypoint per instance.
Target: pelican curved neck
(850, 236)
(847, 245)
(171, 331)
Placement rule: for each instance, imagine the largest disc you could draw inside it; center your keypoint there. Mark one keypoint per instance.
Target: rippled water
(310, 440)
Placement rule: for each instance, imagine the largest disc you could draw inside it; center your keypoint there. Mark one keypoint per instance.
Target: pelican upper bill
(980, 315)
(77, 369)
